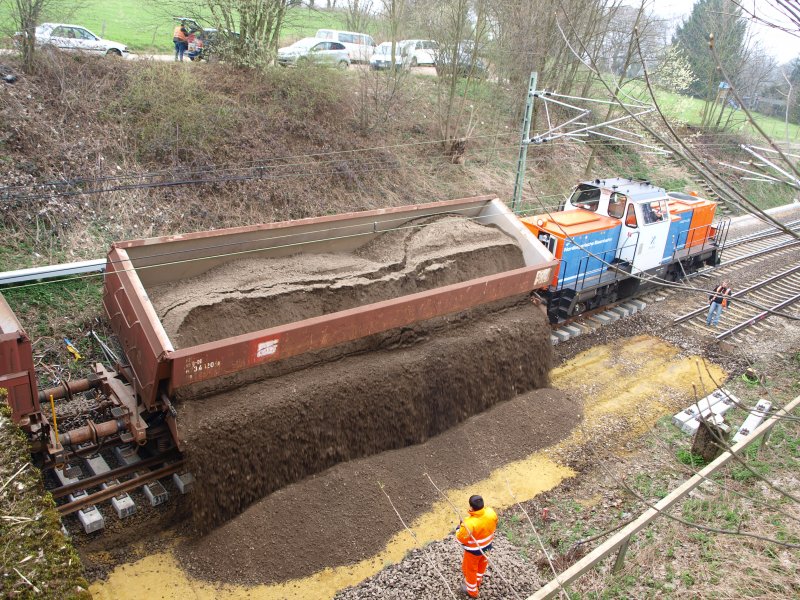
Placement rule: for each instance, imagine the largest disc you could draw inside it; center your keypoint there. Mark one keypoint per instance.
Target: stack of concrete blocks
(90, 518)
(122, 503)
(153, 491)
(753, 420)
(712, 408)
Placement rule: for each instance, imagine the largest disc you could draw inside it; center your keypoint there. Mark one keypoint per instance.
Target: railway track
(740, 322)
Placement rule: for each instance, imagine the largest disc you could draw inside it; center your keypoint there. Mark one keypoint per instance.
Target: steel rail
(95, 480)
(110, 492)
(740, 293)
(738, 259)
(759, 317)
(761, 235)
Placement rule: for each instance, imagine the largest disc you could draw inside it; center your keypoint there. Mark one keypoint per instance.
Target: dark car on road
(467, 61)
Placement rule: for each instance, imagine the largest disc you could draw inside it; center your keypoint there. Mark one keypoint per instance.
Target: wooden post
(620, 562)
(707, 441)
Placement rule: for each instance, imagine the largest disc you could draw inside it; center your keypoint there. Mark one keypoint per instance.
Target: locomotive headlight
(539, 222)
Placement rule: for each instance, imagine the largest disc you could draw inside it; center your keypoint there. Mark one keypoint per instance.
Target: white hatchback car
(76, 38)
(420, 52)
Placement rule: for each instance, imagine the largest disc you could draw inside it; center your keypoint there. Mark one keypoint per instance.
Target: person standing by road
(180, 38)
(717, 301)
(475, 533)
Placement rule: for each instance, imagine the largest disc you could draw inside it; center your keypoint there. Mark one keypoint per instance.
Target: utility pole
(524, 142)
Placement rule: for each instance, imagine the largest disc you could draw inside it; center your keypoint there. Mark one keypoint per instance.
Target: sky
(782, 45)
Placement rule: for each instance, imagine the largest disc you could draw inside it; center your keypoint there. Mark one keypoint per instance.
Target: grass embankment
(326, 142)
(37, 560)
(689, 111)
(672, 560)
(146, 26)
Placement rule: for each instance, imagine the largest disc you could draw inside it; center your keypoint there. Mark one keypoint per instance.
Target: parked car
(360, 46)
(314, 51)
(420, 52)
(382, 57)
(75, 38)
(463, 59)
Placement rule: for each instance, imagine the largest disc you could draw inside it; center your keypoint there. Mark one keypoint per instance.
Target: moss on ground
(32, 546)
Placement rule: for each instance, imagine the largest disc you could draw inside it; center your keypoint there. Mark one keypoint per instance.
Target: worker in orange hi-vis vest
(476, 533)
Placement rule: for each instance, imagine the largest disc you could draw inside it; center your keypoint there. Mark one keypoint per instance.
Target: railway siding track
(740, 321)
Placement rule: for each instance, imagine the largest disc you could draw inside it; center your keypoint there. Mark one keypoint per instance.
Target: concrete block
(705, 407)
(91, 519)
(691, 426)
(63, 475)
(753, 420)
(123, 505)
(155, 493)
(126, 454)
(638, 304)
(553, 340)
(184, 482)
(97, 465)
(614, 316)
(621, 311)
(602, 318)
(562, 335)
(572, 330)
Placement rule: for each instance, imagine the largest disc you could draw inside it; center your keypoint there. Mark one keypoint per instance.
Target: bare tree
(25, 16)
(461, 28)
(358, 14)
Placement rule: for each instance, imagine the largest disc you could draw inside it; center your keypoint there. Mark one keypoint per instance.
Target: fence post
(620, 562)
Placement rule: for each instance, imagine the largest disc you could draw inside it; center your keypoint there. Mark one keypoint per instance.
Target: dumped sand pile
(341, 516)
(256, 293)
(249, 442)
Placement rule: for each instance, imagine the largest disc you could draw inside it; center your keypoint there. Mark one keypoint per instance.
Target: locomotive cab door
(645, 229)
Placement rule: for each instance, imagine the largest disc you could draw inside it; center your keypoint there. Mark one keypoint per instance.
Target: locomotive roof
(635, 190)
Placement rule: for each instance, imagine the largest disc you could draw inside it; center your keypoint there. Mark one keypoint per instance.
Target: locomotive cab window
(654, 212)
(586, 197)
(616, 205)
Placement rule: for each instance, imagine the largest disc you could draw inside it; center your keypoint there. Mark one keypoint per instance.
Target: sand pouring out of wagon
(240, 328)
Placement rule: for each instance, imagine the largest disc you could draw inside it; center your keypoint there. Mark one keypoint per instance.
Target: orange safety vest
(179, 33)
(477, 531)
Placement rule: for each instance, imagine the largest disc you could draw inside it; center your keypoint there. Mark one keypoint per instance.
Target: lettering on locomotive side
(572, 247)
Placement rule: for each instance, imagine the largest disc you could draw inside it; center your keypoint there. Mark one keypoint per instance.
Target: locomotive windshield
(586, 196)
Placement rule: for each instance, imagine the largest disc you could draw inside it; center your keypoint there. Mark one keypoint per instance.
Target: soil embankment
(341, 516)
(249, 442)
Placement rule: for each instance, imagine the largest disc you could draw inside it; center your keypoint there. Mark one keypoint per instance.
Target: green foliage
(165, 128)
(43, 308)
(685, 456)
(56, 569)
(649, 486)
(147, 26)
(725, 21)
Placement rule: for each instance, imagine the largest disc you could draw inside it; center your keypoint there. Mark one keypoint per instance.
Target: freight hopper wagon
(617, 236)
(156, 368)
